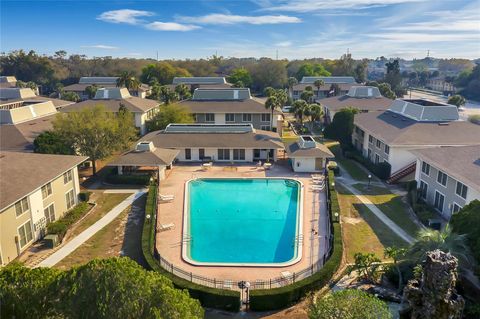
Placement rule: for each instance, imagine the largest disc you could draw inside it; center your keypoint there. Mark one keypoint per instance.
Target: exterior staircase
(410, 168)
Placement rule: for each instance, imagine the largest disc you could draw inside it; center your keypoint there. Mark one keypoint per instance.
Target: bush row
(381, 170)
(208, 297)
(271, 299)
(60, 226)
(128, 179)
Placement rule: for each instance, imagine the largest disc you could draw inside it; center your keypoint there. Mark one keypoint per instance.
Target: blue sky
(194, 29)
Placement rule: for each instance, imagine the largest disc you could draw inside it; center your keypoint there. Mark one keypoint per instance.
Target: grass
(362, 230)
(352, 168)
(391, 205)
(105, 202)
(106, 243)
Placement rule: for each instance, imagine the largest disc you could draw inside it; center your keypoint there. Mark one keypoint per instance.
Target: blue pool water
(242, 220)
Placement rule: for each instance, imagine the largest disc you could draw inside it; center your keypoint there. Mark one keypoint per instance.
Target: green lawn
(352, 167)
(391, 205)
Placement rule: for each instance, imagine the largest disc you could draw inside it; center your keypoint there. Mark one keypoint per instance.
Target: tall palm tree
(445, 240)
(291, 82)
(127, 79)
(315, 113)
(299, 108)
(277, 99)
(318, 84)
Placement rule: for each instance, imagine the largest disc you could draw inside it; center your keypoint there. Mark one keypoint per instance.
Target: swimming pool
(242, 222)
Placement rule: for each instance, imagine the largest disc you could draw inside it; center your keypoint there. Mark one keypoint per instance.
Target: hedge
(381, 170)
(60, 226)
(143, 179)
(272, 299)
(208, 297)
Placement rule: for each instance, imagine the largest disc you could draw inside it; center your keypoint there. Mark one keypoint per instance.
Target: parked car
(287, 109)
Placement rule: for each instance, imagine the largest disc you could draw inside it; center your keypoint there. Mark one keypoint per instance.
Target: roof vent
(145, 146)
(306, 141)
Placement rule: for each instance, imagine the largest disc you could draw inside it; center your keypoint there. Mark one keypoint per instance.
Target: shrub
(381, 170)
(84, 196)
(60, 226)
(143, 179)
(208, 297)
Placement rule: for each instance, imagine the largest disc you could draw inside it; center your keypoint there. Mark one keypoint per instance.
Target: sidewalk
(89, 232)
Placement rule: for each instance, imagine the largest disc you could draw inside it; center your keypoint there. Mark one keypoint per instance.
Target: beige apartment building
(35, 189)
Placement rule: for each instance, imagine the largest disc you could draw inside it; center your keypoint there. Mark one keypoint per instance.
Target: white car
(286, 109)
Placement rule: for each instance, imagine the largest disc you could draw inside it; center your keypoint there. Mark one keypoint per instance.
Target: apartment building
(15, 97)
(103, 82)
(230, 106)
(343, 82)
(407, 125)
(35, 189)
(448, 178)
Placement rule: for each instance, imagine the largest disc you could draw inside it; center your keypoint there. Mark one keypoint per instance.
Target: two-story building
(22, 96)
(343, 82)
(230, 106)
(407, 125)
(35, 189)
(114, 98)
(448, 178)
(363, 98)
(103, 82)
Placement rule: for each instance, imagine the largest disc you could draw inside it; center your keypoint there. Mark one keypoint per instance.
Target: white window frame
(223, 155)
(73, 197)
(239, 151)
(26, 238)
(67, 177)
(49, 189)
(206, 117)
(378, 144)
(249, 115)
(428, 168)
(48, 208)
(370, 139)
(453, 206)
(227, 116)
(446, 178)
(377, 159)
(434, 200)
(265, 127)
(426, 192)
(190, 154)
(466, 191)
(195, 117)
(385, 149)
(262, 118)
(23, 210)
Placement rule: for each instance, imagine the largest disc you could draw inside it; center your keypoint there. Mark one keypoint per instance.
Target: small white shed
(308, 156)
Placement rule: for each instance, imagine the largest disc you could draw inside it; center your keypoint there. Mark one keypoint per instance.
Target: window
(461, 190)
(455, 208)
(195, 117)
(265, 117)
(21, 206)
(239, 154)
(369, 154)
(370, 139)
(229, 117)
(439, 201)
(426, 168)
(209, 117)
(296, 92)
(50, 213)
(379, 144)
(256, 153)
(188, 154)
(265, 127)
(201, 153)
(423, 190)
(377, 159)
(25, 234)
(223, 154)
(67, 177)
(247, 117)
(442, 178)
(46, 190)
(387, 149)
(70, 199)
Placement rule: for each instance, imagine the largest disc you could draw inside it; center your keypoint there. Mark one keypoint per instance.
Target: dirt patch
(350, 220)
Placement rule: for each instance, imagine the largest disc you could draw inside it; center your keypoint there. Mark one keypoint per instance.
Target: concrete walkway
(90, 231)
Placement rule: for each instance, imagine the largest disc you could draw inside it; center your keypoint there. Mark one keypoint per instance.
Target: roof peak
(209, 128)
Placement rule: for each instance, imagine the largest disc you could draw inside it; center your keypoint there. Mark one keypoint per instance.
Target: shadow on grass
(372, 190)
(132, 241)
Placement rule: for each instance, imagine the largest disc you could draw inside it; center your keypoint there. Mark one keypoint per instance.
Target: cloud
(100, 46)
(412, 37)
(218, 18)
(317, 5)
(127, 16)
(170, 26)
(284, 44)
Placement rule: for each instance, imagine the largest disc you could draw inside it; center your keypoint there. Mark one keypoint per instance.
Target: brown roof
(325, 87)
(160, 156)
(20, 137)
(256, 139)
(133, 104)
(395, 129)
(335, 103)
(23, 173)
(226, 106)
(58, 103)
(460, 162)
(294, 150)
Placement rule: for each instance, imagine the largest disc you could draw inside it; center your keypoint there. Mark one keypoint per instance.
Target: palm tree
(445, 240)
(396, 254)
(315, 112)
(183, 91)
(276, 99)
(91, 90)
(291, 82)
(299, 108)
(127, 79)
(318, 84)
(166, 95)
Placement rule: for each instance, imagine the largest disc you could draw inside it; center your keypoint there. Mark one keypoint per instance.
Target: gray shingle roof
(364, 92)
(329, 79)
(199, 80)
(209, 128)
(325, 87)
(98, 80)
(460, 162)
(133, 104)
(20, 137)
(294, 150)
(30, 171)
(335, 103)
(221, 94)
(424, 110)
(160, 156)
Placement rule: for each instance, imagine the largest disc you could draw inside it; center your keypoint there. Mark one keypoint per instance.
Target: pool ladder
(186, 239)
(298, 240)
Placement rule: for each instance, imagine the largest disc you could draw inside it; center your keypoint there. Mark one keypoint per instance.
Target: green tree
(299, 109)
(268, 72)
(386, 91)
(318, 84)
(457, 100)
(70, 96)
(349, 304)
(166, 95)
(268, 91)
(28, 67)
(171, 113)
(291, 82)
(127, 79)
(393, 76)
(95, 132)
(466, 222)
(307, 94)
(360, 72)
(335, 88)
(91, 90)
(183, 92)
(238, 84)
(341, 128)
(367, 265)
(275, 100)
(315, 112)
(49, 142)
(396, 254)
(445, 240)
(309, 69)
(163, 72)
(240, 75)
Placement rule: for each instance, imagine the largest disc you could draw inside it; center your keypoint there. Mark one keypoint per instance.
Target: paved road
(76, 242)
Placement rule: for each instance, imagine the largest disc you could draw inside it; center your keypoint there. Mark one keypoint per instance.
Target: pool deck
(169, 241)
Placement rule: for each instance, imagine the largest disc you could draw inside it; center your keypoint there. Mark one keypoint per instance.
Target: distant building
(103, 82)
(448, 178)
(440, 85)
(36, 189)
(306, 155)
(8, 81)
(344, 83)
(217, 142)
(16, 97)
(363, 98)
(407, 125)
(230, 106)
(113, 98)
